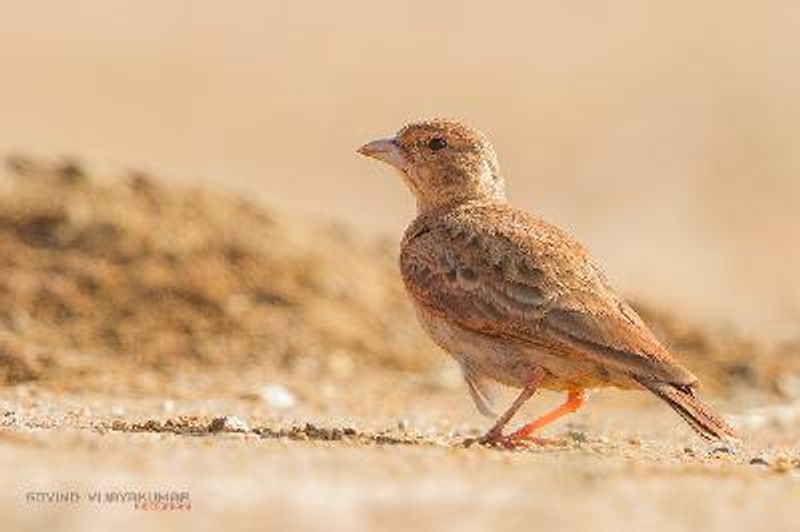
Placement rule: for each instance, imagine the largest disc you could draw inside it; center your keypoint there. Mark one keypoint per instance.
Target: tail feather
(706, 423)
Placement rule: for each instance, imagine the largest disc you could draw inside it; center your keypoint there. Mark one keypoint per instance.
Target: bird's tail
(706, 423)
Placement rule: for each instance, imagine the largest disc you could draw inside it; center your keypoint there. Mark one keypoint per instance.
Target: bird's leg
(575, 400)
(495, 434)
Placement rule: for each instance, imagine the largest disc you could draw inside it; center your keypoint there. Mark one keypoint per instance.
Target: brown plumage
(512, 298)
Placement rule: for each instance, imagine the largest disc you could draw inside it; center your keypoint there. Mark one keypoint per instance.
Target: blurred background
(257, 348)
(663, 135)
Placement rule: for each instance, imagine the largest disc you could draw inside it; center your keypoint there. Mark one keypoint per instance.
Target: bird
(514, 299)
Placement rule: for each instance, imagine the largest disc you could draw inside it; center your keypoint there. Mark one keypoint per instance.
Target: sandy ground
(384, 450)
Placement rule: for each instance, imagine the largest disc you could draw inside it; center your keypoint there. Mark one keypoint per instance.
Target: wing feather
(504, 273)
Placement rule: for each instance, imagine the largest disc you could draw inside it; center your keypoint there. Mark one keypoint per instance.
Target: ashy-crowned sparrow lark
(514, 299)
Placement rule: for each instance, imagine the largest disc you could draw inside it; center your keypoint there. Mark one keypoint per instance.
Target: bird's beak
(385, 150)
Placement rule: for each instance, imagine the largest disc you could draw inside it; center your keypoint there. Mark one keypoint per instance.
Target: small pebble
(577, 436)
(783, 463)
(758, 460)
(228, 424)
(722, 449)
(277, 396)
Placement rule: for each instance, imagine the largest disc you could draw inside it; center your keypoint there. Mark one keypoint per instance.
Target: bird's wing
(504, 273)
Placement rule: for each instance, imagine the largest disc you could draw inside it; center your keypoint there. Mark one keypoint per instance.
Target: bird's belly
(512, 363)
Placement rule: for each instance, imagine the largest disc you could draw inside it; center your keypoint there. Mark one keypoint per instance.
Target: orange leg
(495, 437)
(575, 400)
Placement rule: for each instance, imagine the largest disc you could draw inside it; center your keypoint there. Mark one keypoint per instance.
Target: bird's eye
(437, 143)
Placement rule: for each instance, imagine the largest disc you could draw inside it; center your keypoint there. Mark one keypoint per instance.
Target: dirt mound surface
(130, 274)
(136, 271)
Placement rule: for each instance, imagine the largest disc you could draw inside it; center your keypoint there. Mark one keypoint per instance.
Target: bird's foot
(512, 442)
(493, 438)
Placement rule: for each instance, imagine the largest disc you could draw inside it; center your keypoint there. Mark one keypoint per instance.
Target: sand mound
(165, 276)
(133, 273)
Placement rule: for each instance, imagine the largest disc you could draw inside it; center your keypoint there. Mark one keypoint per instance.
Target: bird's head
(443, 161)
